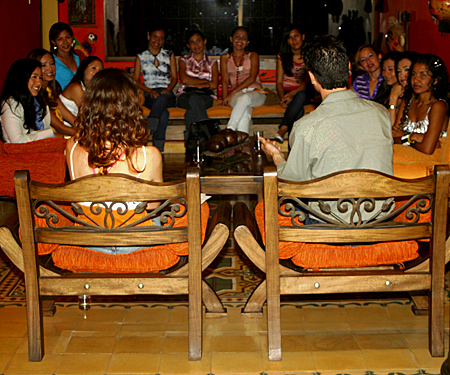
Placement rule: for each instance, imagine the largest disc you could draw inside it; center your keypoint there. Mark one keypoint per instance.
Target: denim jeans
(195, 105)
(116, 250)
(158, 107)
(294, 110)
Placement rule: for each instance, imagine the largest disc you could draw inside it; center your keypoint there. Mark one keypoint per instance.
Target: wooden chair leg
(436, 324)
(254, 306)
(35, 325)
(213, 304)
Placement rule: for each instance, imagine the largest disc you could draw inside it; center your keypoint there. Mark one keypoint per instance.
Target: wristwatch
(391, 106)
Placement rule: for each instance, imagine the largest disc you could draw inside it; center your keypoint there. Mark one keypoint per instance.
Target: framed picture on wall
(81, 12)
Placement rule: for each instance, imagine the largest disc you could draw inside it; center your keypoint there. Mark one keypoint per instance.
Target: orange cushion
(151, 259)
(316, 256)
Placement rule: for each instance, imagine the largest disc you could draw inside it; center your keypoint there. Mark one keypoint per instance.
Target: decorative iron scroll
(356, 209)
(102, 216)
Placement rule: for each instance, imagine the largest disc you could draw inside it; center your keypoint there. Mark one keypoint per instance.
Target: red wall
(424, 35)
(17, 40)
(81, 33)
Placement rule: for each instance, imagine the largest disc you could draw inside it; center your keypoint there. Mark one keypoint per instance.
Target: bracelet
(409, 139)
(405, 140)
(391, 106)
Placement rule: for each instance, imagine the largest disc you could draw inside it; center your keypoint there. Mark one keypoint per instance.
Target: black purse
(202, 132)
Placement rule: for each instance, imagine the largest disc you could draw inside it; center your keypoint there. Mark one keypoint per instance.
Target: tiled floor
(327, 338)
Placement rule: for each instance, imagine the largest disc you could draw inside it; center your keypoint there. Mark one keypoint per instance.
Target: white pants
(242, 104)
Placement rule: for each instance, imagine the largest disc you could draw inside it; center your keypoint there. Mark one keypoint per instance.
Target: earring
(55, 48)
(73, 42)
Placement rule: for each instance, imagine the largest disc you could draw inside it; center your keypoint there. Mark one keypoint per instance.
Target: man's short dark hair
(326, 58)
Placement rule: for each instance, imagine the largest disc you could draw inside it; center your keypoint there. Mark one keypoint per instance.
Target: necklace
(239, 66)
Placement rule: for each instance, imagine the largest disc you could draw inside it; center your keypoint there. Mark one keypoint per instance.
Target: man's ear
(312, 77)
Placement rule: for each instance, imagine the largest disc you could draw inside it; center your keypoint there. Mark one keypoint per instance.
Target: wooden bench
(418, 220)
(264, 118)
(44, 208)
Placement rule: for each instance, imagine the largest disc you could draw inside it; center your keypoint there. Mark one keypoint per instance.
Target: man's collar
(339, 95)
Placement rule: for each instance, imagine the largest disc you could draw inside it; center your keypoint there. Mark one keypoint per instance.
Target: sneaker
(279, 138)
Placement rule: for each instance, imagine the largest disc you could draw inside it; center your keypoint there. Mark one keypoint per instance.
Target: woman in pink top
(199, 76)
(240, 68)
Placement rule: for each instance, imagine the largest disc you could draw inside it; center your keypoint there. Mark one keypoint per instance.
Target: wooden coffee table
(242, 178)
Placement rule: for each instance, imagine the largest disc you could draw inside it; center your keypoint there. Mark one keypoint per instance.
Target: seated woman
(24, 116)
(390, 90)
(367, 84)
(111, 136)
(52, 90)
(199, 76)
(292, 79)
(403, 67)
(159, 69)
(240, 68)
(67, 62)
(423, 115)
(72, 95)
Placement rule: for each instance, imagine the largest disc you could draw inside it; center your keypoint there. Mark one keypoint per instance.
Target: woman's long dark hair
(16, 88)
(286, 55)
(56, 29)
(54, 85)
(440, 87)
(409, 55)
(79, 75)
(384, 91)
(230, 47)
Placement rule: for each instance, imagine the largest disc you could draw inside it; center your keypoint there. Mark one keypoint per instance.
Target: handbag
(201, 131)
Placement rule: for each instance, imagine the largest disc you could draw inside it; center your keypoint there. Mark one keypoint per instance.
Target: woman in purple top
(366, 85)
(199, 76)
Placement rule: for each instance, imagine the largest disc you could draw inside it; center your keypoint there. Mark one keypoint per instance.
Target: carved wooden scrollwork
(373, 213)
(101, 216)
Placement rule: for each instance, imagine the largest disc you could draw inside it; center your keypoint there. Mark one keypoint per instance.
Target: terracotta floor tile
(233, 363)
(106, 315)
(13, 314)
(367, 314)
(292, 314)
(220, 327)
(4, 361)
(20, 365)
(97, 326)
(408, 326)
(180, 344)
(83, 364)
(147, 344)
(339, 360)
(9, 345)
(321, 342)
(292, 361)
(90, 345)
(150, 315)
(177, 327)
(417, 340)
(373, 327)
(403, 312)
(58, 327)
(143, 327)
(381, 341)
(179, 364)
(178, 315)
(289, 342)
(327, 327)
(324, 315)
(13, 329)
(232, 343)
(425, 360)
(391, 359)
(134, 363)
